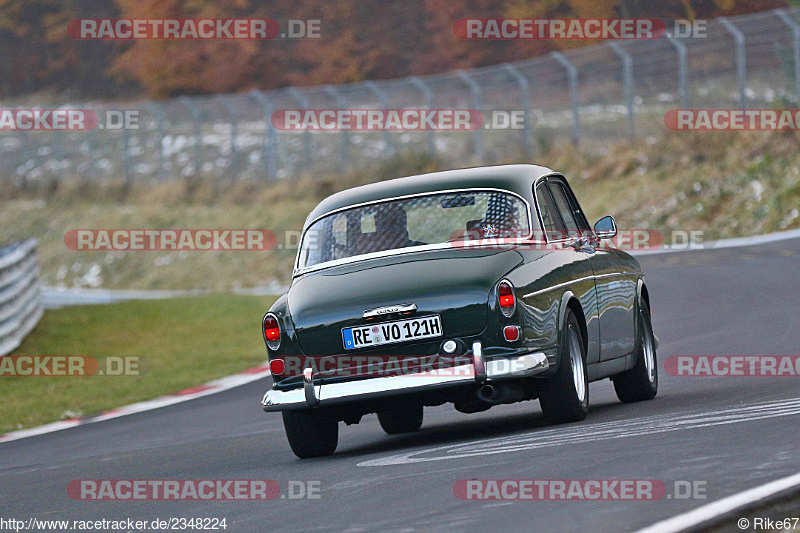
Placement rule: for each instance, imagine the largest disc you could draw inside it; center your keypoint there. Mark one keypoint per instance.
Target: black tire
(640, 382)
(561, 398)
(311, 433)
(401, 420)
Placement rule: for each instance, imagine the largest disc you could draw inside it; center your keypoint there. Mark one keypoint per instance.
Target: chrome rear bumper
(478, 371)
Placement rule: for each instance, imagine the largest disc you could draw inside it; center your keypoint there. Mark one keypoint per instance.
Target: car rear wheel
(640, 382)
(565, 396)
(311, 433)
(401, 420)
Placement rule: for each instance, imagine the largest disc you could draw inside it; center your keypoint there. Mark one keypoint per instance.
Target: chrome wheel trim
(576, 362)
(649, 352)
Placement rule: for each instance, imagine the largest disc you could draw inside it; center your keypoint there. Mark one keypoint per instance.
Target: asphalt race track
(728, 433)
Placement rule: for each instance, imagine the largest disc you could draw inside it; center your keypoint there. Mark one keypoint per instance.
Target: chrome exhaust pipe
(489, 394)
(495, 394)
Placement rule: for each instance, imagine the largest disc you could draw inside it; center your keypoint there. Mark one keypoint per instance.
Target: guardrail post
(269, 140)
(683, 70)
(233, 117)
(789, 21)
(627, 81)
(344, 143)
(384, 100)
(196, 117)
(20, 293)
(572, 74)
(155, 110)
(523, 89)
(301, 99)
(427, 94)
(741, 68)
(475, 91)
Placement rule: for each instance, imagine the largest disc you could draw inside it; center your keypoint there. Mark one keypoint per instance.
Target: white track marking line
(212, 387)
(725, 506)
(644, 426)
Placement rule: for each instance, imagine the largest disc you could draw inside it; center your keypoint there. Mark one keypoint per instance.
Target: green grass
(727, 184)
(182, 342)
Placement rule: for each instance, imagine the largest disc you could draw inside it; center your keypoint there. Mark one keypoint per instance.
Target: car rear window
(414, 222)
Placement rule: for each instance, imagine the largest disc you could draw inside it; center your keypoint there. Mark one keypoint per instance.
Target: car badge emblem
(391, 309)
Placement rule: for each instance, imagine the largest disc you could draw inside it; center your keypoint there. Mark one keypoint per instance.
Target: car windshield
(419, 221)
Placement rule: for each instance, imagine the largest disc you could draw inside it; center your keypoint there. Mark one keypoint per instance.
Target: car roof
(514, 178)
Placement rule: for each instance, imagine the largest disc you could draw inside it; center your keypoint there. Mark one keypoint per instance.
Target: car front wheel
(311, 433)
(640, 382)
(565, 396)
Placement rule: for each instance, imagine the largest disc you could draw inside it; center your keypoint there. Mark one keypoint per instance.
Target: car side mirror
(605, 228)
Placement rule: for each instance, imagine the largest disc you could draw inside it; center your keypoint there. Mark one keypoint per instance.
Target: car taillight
(272, 331)
(511, 333)
(276, 366)
(505, 294)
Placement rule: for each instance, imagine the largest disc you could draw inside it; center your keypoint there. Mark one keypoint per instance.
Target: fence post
(475, 91)
(233, 116)
(126, 152)
(57, 153)
(344, 138)
(91, 137)
(683, 70)
(160, 120)
(741, 68)
(196, 117)
(789, 21)
(627, 80)
(523, 89)
(572, 74)
(269, 147)
(22, 160)
(428, 95)
(378, 92)
(301, 99)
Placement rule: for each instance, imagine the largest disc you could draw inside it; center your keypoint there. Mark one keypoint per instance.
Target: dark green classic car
(478, 287)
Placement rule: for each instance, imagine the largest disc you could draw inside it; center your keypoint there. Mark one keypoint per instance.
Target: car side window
(575, 207)
(563, 207)
(547, 209)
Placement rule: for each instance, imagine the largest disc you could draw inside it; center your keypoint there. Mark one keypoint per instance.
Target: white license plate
(391, 332)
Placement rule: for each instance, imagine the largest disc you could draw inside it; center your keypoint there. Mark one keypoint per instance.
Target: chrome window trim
(579, 280)
(536, 202)
(410, 249)
(546, 177)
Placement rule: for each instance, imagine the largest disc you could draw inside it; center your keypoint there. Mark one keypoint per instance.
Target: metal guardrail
(20, 293)
(588, 95)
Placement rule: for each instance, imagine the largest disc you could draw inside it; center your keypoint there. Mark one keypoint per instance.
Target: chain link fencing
(613, 90)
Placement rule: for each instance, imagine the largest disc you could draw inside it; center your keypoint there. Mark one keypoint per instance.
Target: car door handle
(581, 244)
